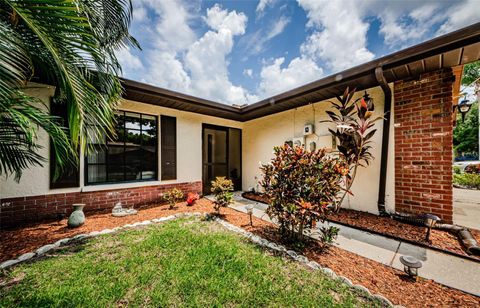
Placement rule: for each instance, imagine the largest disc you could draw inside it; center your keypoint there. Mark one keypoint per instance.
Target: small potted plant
(191, 198)
(172, 197)
(222, 190)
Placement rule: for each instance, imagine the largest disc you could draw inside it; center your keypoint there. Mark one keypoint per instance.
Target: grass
(180, 263)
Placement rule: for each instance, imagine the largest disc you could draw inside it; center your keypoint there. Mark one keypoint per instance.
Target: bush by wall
(470, 180)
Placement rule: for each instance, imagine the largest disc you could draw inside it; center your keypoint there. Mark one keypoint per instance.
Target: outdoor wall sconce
(464, 107)
(430, 221)
(250, 213)
(410, 266)
(368, 100)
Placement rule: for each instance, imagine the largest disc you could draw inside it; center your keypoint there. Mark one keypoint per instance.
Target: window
(131, 157)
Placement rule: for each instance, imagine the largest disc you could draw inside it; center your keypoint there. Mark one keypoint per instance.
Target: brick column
(423, 144)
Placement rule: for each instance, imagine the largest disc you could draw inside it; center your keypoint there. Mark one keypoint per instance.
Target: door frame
(227, 130)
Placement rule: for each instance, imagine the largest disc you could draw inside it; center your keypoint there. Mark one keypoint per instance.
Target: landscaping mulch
(384, 225)
(379, 278)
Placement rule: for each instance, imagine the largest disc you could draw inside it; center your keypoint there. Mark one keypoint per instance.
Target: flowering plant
(191, 198)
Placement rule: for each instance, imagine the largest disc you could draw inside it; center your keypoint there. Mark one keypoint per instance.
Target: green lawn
(179, 263)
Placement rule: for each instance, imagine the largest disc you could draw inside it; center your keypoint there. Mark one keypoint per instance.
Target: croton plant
(354, 121)
(302, 187)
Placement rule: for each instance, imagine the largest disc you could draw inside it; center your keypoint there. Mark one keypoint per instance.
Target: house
(168, 139)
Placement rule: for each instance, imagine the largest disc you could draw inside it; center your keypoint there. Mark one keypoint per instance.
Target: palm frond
(72, 43)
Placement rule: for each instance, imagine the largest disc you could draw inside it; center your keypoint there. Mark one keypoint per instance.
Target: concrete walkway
(443, 268)
(466, 207)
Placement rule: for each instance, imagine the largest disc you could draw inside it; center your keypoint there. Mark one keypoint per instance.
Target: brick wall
(18, 211)
(423, 144)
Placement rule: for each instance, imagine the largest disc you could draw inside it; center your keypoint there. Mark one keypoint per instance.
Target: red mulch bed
(377, 277)
(439, 239)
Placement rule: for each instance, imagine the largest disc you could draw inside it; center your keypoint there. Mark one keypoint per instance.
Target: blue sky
(238, 52)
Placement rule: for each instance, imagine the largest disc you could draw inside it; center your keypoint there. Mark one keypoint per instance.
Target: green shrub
(470, 180)
(222, 190)
(173, 196)
(457, 170)
(302, 186)
(328, 236)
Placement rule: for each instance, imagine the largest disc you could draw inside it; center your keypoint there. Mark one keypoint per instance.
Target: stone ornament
(119, 211)
(77, 218)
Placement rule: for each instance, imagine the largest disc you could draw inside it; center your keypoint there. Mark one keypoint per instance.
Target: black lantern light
(410, 266)
(464, 107)
(249, 209)
(430, 221)
(368, 100)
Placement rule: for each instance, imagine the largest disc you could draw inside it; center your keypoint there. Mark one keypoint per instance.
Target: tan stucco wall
(258, 139)
(261, 135)
(35, 180)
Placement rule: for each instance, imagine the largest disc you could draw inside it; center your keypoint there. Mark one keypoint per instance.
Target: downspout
(385, 139)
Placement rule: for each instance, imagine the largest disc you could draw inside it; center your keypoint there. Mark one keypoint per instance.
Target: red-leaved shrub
(302, 187)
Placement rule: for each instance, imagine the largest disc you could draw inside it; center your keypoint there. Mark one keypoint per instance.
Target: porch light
(410, 266)
(368, 100)
(430, 221)
(250, 212)
(464, 107)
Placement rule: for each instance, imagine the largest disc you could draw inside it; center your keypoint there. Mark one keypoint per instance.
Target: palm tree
(70, 44)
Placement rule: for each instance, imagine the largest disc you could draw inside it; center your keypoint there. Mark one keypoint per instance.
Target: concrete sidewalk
(466, 207)
(443, 268)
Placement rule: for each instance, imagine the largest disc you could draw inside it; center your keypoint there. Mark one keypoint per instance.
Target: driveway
(466, 207)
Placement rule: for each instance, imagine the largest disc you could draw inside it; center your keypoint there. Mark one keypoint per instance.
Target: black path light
(250, 212)
(410, 266)
(464, 107)
(430, 221)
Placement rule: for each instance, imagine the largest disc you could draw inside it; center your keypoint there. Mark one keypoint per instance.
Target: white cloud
(219, 19)
(167, 71)
(278, 27)
(248, 72)
(461, 15)
(128, 60)
(262, 4)
(340, 37)
(181, 61)
(276, 79)
(255, 43)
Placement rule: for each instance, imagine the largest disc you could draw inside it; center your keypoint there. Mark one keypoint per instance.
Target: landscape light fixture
(410, 266)
(464, 107)
(250, 213)
(430, 221)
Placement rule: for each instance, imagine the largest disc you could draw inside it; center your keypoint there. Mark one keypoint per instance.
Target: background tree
(466, 134)
(71, 45)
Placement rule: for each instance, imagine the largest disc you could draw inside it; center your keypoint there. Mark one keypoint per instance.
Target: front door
(221, 155)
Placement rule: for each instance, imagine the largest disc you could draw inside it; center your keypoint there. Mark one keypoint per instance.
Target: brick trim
(423, 144)
(23, 210)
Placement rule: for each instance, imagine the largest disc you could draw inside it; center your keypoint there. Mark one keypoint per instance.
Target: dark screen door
(221, 155)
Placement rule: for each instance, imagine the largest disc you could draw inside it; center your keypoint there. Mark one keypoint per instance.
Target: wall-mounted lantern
(464, 107)
(369, 101)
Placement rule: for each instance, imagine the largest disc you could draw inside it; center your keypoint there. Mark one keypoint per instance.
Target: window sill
(99, 187)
